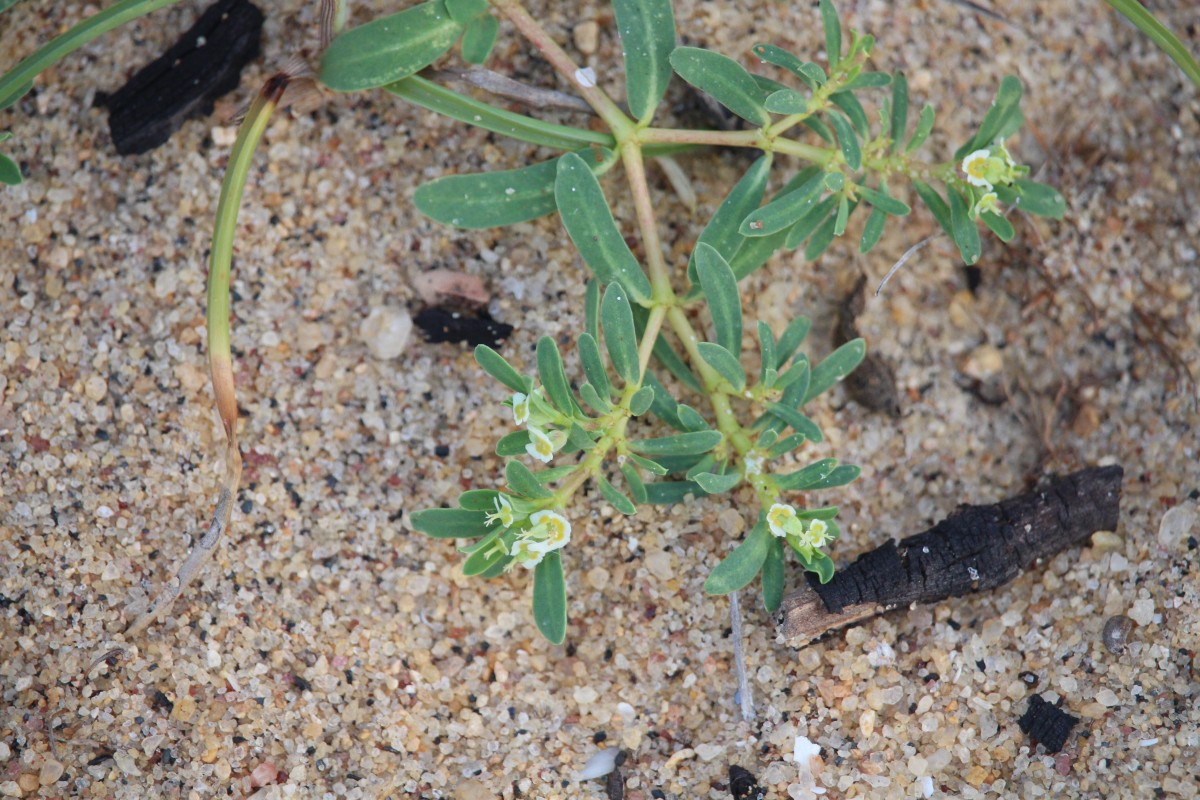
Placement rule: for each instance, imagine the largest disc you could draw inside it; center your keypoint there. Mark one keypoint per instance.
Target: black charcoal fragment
(186, 80)
(743, 785)
(460, 326)
(1046, 724)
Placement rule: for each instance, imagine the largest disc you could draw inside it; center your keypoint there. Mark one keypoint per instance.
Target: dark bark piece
(1047, 724)
(614, 786)
(975, 548)
(872, 384)
(473, 328)
(187, 79)
(743, 785)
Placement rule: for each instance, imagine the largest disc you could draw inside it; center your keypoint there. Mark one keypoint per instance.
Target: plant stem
(726, 420)
(1161, 35)
(621, 125)
(635, 171)
(220, 356)
(19, 79)
(650, 336)
(756, 139)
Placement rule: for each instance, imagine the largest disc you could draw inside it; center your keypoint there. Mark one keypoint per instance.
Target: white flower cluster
(804, 536)
(985, 169)
(548, 531)
(532, 411)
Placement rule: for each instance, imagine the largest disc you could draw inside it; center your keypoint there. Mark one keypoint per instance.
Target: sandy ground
(331, 652)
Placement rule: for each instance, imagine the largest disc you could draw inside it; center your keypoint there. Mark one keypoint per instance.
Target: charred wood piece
(974, 549)
(187, 79)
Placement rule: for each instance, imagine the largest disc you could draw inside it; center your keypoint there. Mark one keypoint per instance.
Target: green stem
(726, 420)
(756, 139)
(19, 80)
(650, 336)
(635, 171)
(620, 124)
(1161, 35)
(220, 355)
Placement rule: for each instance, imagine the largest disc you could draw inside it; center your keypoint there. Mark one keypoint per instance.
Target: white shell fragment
(600, 764)
(585, 77)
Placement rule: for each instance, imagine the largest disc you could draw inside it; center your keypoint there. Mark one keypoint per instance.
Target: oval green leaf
(725, 363)
(618, 501)
(523, 482)
(786, 208)
(740, 566)
(389, 48)
(680, 444)
(647, 30)
(550, 598)
(498, 367)
(427, 94)
(554, 378)
(772, 576)
(720, 289)
(620, 336)
(1040, 199)
(963, 229)
(899, 121)
(450, 523)
(724, 79)
(478, 39)
(834, 367)
(721, 232)
(590, 224)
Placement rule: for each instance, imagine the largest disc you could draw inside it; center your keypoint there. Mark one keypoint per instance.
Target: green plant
(643, 315)
(653, 333)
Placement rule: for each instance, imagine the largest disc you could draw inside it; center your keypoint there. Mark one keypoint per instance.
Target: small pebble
(1142, 611)
(983, 362)
(472, 790)
(1176, 524)
(1116, 633)
(1107, 542)
(52, 769)
(598, 577)
(126, 763)
(587, 37)
(10, 789)
(95, 387)
(386, 331)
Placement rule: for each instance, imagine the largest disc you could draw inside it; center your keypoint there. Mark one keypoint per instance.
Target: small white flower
(526, 554)
(504, 513)
(540, 446)
(988, 202)
(520, 407)
(780, 518)
(554, 527)
(976, 167)
(815, 535)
